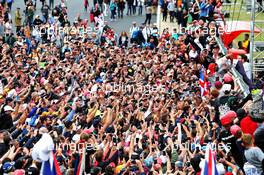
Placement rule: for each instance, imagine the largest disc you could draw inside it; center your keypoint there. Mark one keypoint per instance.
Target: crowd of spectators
(135, 100)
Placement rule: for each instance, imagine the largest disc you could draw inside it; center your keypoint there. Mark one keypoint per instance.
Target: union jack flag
(203, 83)
(209, 167)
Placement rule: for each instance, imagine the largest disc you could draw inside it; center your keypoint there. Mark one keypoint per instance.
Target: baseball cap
(8, 108)
(179, 164)
(220, 168)
(241, 113)
(234, 129)
(32, 171)
(8, 166)
(99, 80)
(226, 87)
(19, 172)
(228, 78)
(218, 85)
(228, 118)
(229, 173)
(88, 131)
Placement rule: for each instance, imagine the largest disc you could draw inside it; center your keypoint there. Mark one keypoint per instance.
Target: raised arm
(91, 114)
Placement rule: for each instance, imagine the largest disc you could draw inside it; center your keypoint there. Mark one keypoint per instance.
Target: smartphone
(114, 139)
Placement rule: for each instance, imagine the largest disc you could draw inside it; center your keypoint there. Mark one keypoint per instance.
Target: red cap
(218, 85)
(211, 67)
(112, 164)
(228, 117)
(88, 131)
(228, 78)
(19, 172)
(228, 173)
(234, 129)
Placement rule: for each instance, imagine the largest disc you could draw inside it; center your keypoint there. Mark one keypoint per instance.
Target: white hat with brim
(8, 108)
(226, 87)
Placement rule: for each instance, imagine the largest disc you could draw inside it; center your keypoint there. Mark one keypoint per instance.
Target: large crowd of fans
(142, 102)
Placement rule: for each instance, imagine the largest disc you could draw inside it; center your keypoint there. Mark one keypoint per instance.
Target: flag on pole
(203, 83)
(43, 152)
(81, 165)
(51, 166)
(209, 167)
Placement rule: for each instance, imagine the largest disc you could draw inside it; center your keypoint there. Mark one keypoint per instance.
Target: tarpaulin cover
(235, 28)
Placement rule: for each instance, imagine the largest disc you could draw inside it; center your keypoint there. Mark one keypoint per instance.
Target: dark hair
(244, 57)
(99, 155)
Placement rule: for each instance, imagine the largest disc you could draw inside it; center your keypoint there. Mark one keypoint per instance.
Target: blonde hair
(247, 140)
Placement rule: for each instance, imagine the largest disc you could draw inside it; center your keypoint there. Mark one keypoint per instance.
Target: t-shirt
(250, 169)
(248, 126)
(245, 43)
(255, 156)
(148, 10)
(230, 141)
(247, 68)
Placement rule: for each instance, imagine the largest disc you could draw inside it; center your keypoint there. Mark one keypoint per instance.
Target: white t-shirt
(193, 54)
(250, 169)
(247, 69)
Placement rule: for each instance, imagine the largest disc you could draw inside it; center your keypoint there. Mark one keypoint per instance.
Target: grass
(243, 15)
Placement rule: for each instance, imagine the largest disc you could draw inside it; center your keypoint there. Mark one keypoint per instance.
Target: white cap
(220, 168)
(102, 74)
(226, 87)
(8, 108)
(76, 138)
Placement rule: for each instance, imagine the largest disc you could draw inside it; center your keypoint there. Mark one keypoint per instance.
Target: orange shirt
(27, 32)
(179, 4)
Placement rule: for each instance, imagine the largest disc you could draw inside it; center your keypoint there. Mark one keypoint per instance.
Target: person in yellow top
(18, 20)
(246, 43)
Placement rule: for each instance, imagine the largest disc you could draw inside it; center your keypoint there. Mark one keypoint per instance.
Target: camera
(134, 157)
